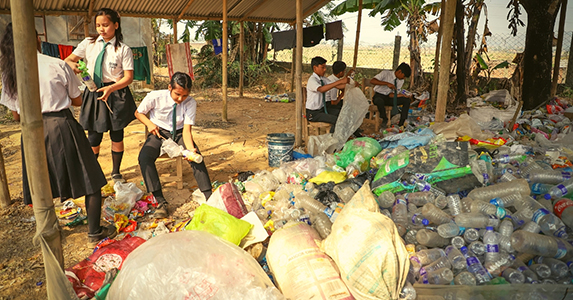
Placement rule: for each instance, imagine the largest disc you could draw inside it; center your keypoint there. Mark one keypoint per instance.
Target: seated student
(386, 82)
(162, 124)
(316, 93)
(334, 100)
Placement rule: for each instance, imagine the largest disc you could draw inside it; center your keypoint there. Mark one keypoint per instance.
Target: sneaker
(106, 232)
(161, 211)
(117, 177)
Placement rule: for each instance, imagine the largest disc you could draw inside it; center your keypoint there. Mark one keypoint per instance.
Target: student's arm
(145, 120)
(77, 101)
(375, 81)
(15, 115)
(72, 61)
(339, 84)
(188, 138)
(125, 81)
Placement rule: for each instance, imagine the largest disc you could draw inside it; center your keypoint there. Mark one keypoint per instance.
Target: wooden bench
(373, 113)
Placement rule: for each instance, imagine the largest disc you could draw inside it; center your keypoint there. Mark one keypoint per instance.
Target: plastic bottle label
(563, 189)
(561, 205)
(423, 271)
(492, 248)
(560, 233)
(496, 202)
(536, 188)
(561, 250)
(425, 280)
(329, 211)
(414, 218)
(569, 263)
(400, 201)
(522, 269)
(472, 260)
(538, 214)
(415, 258)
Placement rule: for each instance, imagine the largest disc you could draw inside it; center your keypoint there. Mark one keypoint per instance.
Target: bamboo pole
(225, 67)
(47, 227)
(357, 34)
(559, 48)
(437, 56)
(396, 58)
(340, 50)
(292, 70)
(87, 20)
(5, 200)
(443, 85)
(241, 58)
(175, 31)
(298, 64)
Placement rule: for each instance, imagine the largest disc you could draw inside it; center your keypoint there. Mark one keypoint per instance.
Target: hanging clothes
(334, 30)
(179, 59)
(311, 36)
(50, 49)
(284, 40)
(218, 46)
(65, 50)
(141, 70)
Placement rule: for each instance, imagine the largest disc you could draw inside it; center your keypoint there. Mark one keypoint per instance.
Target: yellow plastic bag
(327, 176)
(219, 223)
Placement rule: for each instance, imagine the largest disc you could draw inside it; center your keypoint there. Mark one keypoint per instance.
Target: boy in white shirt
(334, 101)
(386, 82)
(317, 88)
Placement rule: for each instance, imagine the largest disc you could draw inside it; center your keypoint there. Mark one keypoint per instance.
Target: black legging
(96, 137)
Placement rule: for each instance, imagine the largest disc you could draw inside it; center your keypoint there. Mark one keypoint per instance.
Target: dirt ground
(228, 147)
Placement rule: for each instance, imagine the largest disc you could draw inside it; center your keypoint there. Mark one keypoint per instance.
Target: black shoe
(161, 211)
(106, 232)
(117, 177)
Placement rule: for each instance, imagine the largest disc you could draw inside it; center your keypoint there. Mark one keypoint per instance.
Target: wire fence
(500, 48)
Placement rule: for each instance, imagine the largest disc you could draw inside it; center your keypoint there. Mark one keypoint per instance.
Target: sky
(371, 33)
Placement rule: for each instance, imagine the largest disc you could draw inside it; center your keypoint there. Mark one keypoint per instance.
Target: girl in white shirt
(171, 115)
(110, 62)
(73, 169)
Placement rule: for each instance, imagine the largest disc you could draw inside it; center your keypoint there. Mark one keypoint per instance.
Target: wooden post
(87, 20)
(5, 200)
(434, 95)
(299, 108)
(340, 50)
(396, 59)
(175, 41)
(357, 34)
(292, 70)
(225, 70)
(569, 77)
(444, 83)
(47, 227)
(557, 64)
(241, 58)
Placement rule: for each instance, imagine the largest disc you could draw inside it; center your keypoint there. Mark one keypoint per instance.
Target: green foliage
(209, 70)
(567, 92)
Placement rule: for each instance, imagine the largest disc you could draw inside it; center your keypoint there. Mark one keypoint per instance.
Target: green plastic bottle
(86, 77)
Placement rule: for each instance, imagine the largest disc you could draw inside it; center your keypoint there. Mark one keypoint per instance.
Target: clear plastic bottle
(456, 257)
(435, 215)
(192, 156)
(423, 186)
(491, 245)
(480, 170)
(558, 268)
(429, 255)
(541, 245)
(418, 220)
(386, 213)
(475, 267)
(400, 214)
(440, 276)
(440, 201)
(550, 223)
(513, 276)
(476, 220)
(413, 208)
(529, 276)
(465, 278)
(410, 237)
(408, 292)
(309, 204)
(471, 235)
(487, 209)
(531, 227)
(449, 230)
(507, 158)
(420, 198)
(506, 177)
(519, 186)
(477, 247)
(542, 270)
(386, 199)
(322, 224)
(442, 262)
(466, 204)
(458, 242)
(541, 188)
(506, 201)
(430, 238)
(506, 228)
(454, 204)
(561, 190)
(415, 265)
(529, 166)
(505, 244)
(548, 176)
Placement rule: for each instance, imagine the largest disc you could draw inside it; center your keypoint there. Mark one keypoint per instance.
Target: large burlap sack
(368, 250)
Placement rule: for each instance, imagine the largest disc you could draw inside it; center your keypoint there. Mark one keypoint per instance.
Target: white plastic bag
(191, 265)
(126, 194)
(171, 148)
(351, 115)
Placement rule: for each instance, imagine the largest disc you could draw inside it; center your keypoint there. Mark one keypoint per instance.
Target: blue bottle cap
(425, 222)
(489, 228)
(547, 197)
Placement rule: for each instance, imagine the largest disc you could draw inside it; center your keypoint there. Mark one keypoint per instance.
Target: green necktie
(98, 73)
(323, 97)
(395, 106)
(174, 121)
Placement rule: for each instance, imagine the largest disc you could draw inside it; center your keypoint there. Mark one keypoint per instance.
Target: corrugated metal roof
(246, 10)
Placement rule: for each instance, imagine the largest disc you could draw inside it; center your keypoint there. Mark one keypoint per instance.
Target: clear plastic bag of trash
(126, 194)
(171, 148)
(191, 265)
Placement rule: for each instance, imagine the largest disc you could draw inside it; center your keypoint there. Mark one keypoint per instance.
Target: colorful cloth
(141, 69)
(50, 49)
(65, 50)
(179, 59)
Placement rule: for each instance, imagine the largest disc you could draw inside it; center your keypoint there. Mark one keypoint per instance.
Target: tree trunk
(416, 78)
(469, 48)
(460, 65)
(538, 55)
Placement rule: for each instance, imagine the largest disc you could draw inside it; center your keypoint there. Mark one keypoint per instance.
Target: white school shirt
(114, 61)
(387, 76)
(159, 105)
(57, 84)
(332, 94)
(313, 96)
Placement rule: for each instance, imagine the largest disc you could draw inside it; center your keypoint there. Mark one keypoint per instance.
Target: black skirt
(72, 166)
(95, 116)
